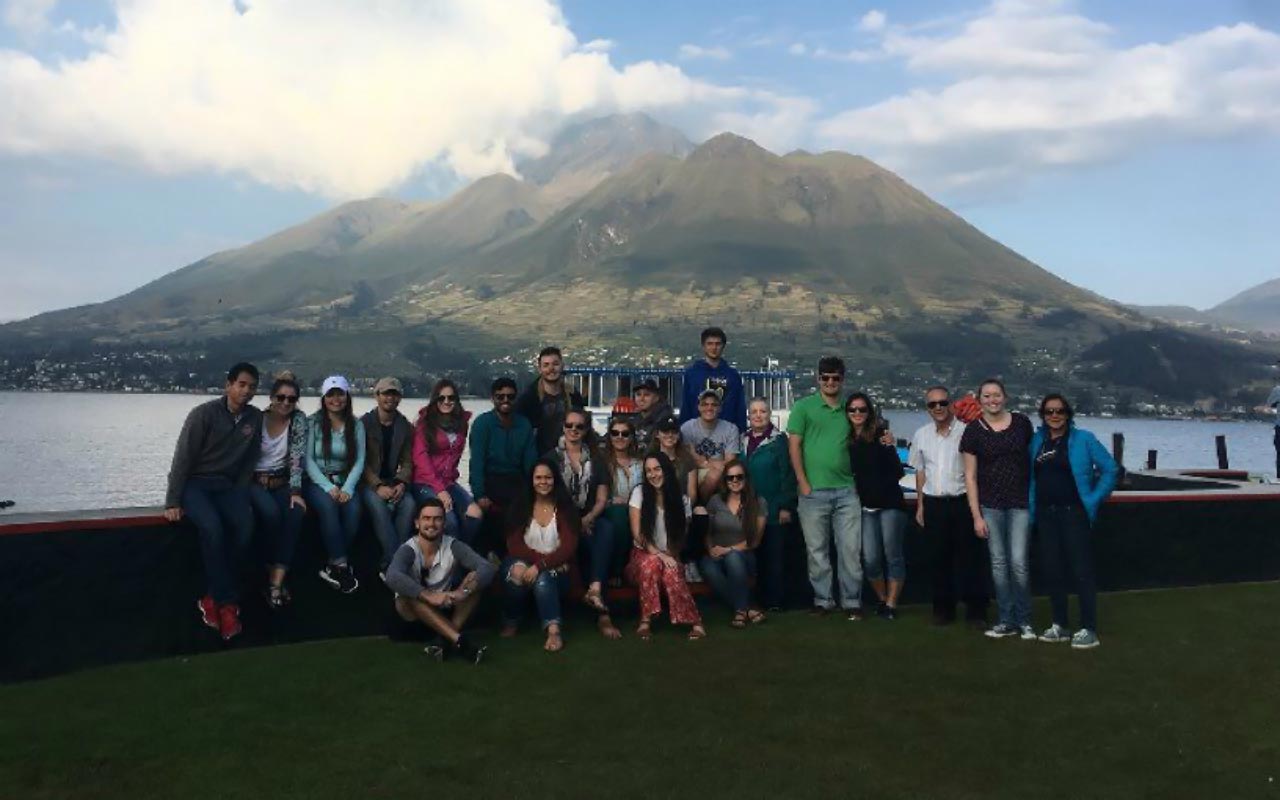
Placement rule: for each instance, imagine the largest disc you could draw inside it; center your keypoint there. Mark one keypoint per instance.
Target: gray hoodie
(214, 443)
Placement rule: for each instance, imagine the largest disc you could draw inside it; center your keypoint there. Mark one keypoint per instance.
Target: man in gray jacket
(388, 470)
(434, 575)
(209, 484)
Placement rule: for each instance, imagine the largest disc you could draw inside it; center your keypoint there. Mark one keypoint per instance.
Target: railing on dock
(600, 386)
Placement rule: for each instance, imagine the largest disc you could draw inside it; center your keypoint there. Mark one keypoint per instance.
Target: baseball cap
(668, 424)
(334, 382)
(709, 393)
(388, 385)
(647, 382)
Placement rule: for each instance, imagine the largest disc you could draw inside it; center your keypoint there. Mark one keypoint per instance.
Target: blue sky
(1132, 148)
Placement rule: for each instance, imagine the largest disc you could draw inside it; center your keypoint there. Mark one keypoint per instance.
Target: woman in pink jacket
(439, 438)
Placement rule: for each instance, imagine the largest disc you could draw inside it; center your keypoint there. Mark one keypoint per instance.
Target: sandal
(755, 616)
(697, 632)
(644, 630)
(594, 602)
(607, 628)
(276, 595)
(554, 643)
(739, 620)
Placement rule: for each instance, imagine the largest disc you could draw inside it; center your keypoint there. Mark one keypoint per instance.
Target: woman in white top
(660, 515)
(276, 491)
(543, 527)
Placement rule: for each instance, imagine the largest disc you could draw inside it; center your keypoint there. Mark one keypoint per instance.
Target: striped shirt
(939, 458)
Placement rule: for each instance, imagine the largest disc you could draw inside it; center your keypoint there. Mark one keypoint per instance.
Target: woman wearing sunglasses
(621, 472)
(876, 472)
(736, 519)
(276, 490)
(1071, 474)
(439, 437)
(659, 518)
(335, 462)
(578, 472)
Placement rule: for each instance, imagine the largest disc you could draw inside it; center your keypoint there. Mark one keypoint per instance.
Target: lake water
(71, 451)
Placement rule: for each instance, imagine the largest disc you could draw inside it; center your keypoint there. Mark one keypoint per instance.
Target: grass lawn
(1181, 700)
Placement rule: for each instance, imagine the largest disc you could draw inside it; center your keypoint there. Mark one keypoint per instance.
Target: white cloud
(27, 17)
(1030, 85)
(599, 45)
(689, 52)
(327, 96)
(873, 20)
(797, 49)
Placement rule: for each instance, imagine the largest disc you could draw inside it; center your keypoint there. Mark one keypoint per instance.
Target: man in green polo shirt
(819, 442)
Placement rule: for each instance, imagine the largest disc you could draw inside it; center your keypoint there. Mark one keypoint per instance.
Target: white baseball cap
(334, 382)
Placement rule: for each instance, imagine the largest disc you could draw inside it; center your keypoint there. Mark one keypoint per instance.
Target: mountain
(622, 241)
(1255, 309)
(1177, 315)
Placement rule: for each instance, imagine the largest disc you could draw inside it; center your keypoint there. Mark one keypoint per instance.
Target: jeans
(547, 590)
(730, 577)
(339, 522)
(1276, 442)
(826, 514)
(882, 535)
(456, 523)
(958, 557)
(771, 555)
(1065, 541)
(1009, 537)
(280, 521)
(223, 518)
(393, 525)
(602, 547)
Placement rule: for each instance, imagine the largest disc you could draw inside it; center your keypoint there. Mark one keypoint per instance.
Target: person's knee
(404, 608)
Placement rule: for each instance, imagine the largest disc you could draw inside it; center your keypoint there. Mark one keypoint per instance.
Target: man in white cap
(388, 469)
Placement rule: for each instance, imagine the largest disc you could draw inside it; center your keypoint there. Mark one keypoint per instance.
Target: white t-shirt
(275, 452)
(659, 524)
(542, 539)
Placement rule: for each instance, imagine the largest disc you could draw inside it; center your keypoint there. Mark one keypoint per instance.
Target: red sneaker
(229, 621)
(208, 611)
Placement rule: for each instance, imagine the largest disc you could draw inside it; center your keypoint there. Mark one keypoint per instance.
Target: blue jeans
(279, 521)
(882, 534)
(730, 577)
(828, 514)
(456, 523)
(1009, 533)
(600, 546)
(391, 532)
(547, 590)
(223, 518)
(771, 555)
(339, 522)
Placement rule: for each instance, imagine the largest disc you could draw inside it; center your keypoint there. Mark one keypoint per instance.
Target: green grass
(1180, 701)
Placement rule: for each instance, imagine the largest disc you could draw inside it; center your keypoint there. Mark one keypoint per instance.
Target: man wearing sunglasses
(545, 402)
(388, 469)
(818, 432)
(502, 456)
(942, 510)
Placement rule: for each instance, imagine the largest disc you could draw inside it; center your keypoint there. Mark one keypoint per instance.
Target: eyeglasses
(285, 398)
(575, 426)
(1055, 412)
(446, 398)
(735, 478)
(857, 409)
(830, 378)
(505, 396)
(619, 433)
(938, 403)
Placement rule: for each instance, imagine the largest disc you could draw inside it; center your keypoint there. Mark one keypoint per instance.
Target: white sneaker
(1028, 633)
(1055, 633)
(1085, 639)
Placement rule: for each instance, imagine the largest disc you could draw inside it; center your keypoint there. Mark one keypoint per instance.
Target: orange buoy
(624, 405)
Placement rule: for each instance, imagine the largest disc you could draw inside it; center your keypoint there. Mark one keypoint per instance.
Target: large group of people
(551, 511)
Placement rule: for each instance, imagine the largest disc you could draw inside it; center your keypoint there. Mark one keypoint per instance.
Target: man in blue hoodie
(713, 372)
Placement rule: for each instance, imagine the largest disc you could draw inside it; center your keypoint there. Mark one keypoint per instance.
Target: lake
(70, 451)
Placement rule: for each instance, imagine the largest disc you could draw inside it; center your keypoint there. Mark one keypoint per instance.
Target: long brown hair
(430, 417)
(348, 431)
(610, 455)
(749, 511)
(871, 430)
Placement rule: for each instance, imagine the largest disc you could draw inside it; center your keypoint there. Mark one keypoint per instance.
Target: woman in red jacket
(542, 538)
(439, 438)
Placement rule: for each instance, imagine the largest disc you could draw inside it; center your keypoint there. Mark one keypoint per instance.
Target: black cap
(668, 424)
(646, 383)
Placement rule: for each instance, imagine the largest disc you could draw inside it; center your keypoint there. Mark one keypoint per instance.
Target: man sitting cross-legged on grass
(427, 575)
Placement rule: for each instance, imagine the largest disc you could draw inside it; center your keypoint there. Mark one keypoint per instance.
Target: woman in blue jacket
(1071, 474)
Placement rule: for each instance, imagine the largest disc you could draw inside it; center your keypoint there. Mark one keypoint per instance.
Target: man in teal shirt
(828, 504)
(502, 456)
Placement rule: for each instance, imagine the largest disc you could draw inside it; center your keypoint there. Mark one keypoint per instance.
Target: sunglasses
(575, 426)
(505, 396)
(938, 403)
(1055, 412)
(619, 433)
(857, 410)
(285, 398)
(830, 378)
(735, 478)
(446, 398)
